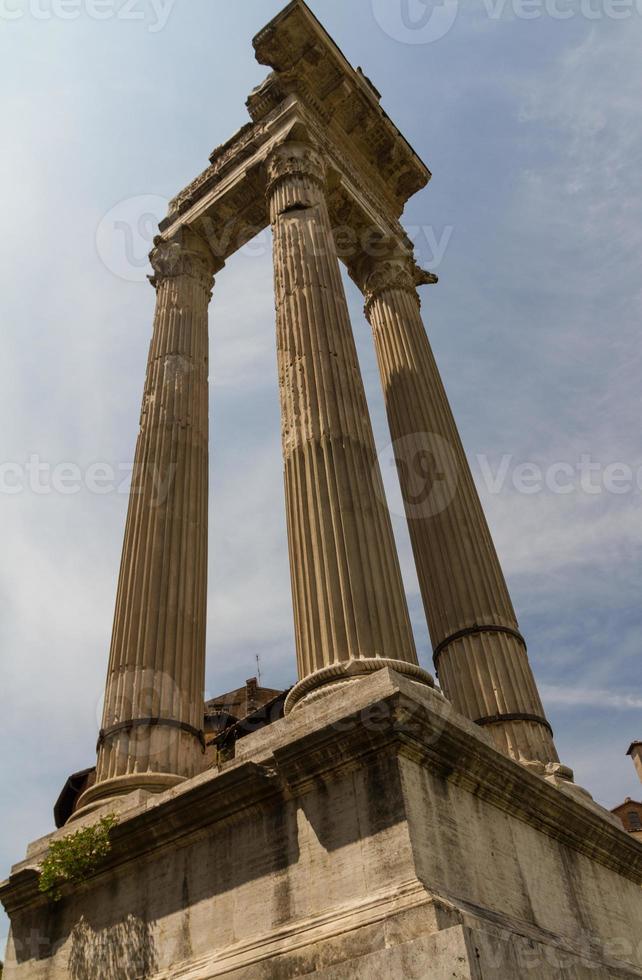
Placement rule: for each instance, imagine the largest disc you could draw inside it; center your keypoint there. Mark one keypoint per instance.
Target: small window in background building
(634, 820)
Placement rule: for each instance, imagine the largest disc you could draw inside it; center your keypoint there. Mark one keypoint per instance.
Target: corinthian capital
(397, 272)
(294, 159)
(184, 255)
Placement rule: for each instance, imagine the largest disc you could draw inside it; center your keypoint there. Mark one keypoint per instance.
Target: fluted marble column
(349, 605)
(153, 714)
(479, 653)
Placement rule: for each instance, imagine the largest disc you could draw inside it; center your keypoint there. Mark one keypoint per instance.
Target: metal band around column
(124, 726)
(515, 716)
(471, 631)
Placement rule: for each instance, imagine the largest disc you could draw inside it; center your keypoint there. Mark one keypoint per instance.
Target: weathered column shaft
(153, 713)
(480, 656)
(349, 603)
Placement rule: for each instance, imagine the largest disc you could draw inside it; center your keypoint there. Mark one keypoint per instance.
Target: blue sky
(533, 221)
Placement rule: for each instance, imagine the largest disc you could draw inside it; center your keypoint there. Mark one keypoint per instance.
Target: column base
(323, 681)
(100, 794)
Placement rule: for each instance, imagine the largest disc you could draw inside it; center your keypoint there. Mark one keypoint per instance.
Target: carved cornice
(338, 142)
(294, 160)
(184, 255)
(308, 64)
(227, 206)
(371, 169)
(222, 159)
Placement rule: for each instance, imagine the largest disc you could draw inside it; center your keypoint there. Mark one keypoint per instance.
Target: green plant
(76, 856)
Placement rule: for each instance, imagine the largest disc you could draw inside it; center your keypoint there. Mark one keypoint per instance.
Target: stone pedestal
(151, 733)
(350, 610)
(372, 833)
(479, 653)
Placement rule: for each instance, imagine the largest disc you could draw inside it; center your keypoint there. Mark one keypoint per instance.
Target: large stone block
(372, 833)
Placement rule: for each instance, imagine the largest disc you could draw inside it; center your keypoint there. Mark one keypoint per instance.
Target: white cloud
(582, 698)
(543, 533)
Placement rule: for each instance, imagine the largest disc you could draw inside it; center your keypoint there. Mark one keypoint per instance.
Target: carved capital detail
(185, 255)
(389, 274)
(399, 273)
(291, 160)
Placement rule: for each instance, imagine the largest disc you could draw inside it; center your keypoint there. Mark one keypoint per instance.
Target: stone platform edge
(333, 734)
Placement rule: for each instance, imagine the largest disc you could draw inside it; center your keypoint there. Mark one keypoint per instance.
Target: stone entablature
(309, 65)
(310, 69)
(227, 202)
